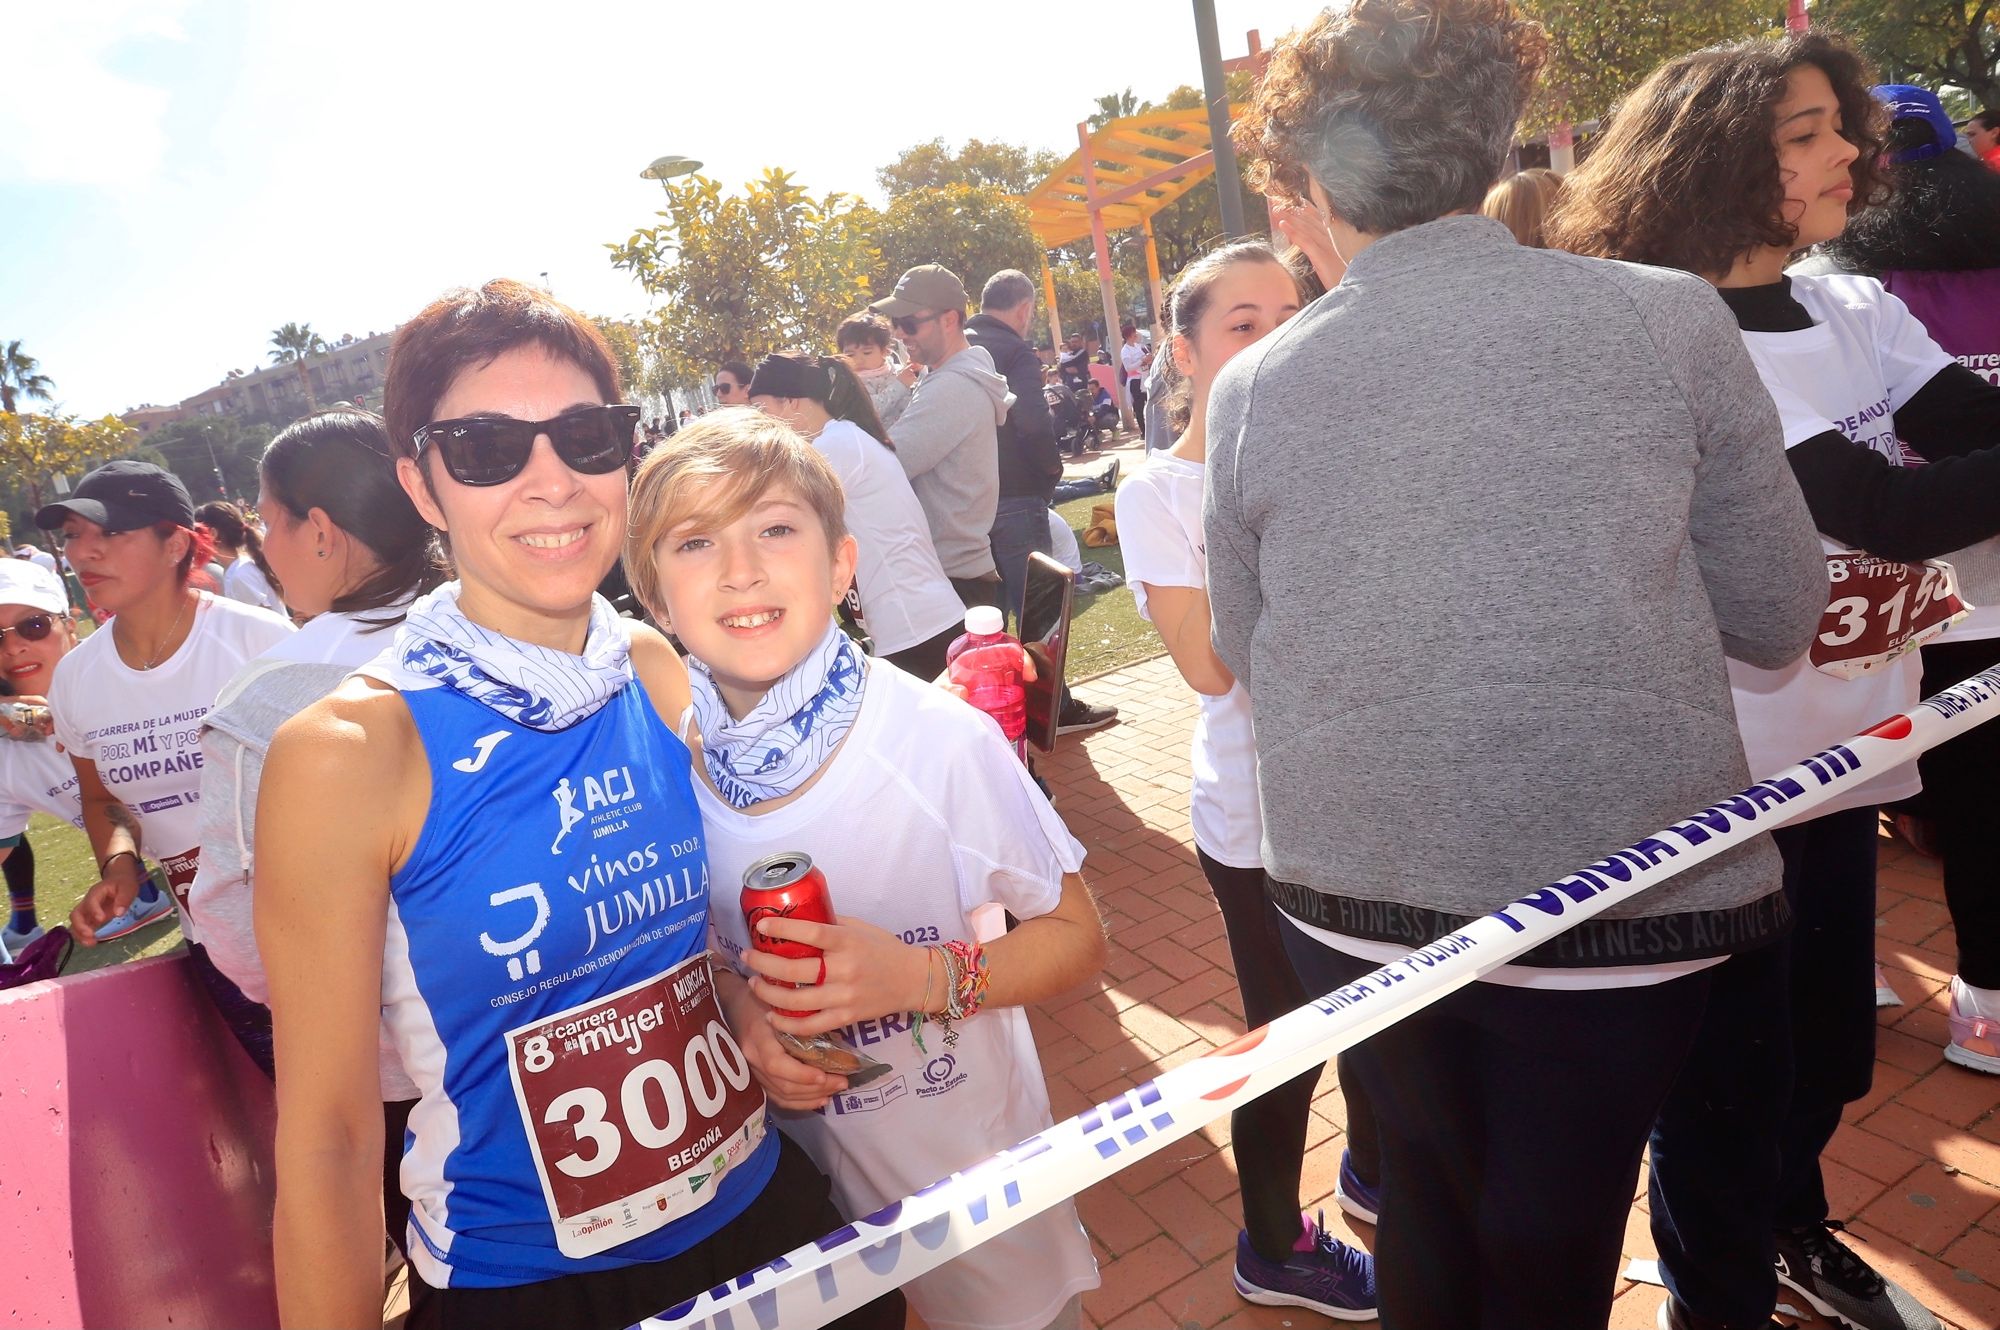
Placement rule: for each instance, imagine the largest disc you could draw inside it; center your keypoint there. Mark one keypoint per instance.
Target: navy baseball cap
(1907, 101)
(123, 496)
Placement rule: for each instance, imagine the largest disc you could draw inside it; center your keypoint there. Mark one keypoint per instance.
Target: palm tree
(20, 376)
(294, 342)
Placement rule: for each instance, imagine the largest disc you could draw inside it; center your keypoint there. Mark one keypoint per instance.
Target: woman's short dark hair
(1944, 214)
(465, 329)
(1402, 110)
(1686, 175)
(340, 462)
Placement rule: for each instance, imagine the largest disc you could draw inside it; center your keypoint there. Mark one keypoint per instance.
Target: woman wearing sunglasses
(129, 700)
(35, 775)
(487, 843)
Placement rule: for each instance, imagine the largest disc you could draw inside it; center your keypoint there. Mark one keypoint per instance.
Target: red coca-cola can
(785, 886)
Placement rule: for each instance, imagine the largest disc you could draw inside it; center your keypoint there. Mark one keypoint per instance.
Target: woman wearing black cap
(129, 701)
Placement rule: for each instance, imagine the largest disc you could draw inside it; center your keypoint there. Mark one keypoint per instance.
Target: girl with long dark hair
(1726, 163)
(246, 574)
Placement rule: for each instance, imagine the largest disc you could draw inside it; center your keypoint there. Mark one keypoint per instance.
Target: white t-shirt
(1159, 533)
(36, 778)
(1133, 357)
(220, 895)
(245, 581)
(142, 728)
(926, 816)
(905, 595)
(1864, 357)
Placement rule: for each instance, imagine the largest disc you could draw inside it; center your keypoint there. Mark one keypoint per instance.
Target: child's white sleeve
(1009, 846)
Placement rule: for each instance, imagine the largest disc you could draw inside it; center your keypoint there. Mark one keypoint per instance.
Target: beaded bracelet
(923, 1008)
(974, 977)
(954, 972)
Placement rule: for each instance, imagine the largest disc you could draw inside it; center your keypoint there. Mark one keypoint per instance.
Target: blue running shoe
(1358, 1198)
(13, 943)
(1328, 1277)
(140, 914)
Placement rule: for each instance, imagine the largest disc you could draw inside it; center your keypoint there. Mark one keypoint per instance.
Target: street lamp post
(1228, 189)
(221, 487)
(666, 168)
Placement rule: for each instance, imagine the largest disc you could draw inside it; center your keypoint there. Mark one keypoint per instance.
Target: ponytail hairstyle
(232, 529)
(828, 380)
(1188, 300)
(341, 462)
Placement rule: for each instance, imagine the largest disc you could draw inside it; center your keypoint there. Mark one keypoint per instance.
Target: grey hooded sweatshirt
(1482, 523)
(948, 440)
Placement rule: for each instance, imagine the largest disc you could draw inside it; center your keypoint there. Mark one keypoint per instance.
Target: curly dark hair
(1401, 110)
(1943, 217)
(1686, 176)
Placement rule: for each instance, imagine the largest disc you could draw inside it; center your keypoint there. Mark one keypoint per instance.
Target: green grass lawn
(1106, 631)
(64, 870)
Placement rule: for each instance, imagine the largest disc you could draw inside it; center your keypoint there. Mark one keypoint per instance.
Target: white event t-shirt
(36, 778)
(924, 816)
(1133, 357)
(905, 595)
(1159, 533)
(1864, 357)
(245, 581)
(142, 728)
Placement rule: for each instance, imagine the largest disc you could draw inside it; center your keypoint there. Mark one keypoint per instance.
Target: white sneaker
(1885, 996)
(1974, 1021)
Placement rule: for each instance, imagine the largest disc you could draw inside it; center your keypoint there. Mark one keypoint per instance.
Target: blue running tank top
(544, 982)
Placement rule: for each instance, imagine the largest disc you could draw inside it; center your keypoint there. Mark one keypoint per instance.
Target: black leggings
(1960, 776)
(925, 660)
(1268, 1134)
(19, 869)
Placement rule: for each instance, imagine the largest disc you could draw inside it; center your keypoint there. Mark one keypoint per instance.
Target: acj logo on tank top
(559, 897)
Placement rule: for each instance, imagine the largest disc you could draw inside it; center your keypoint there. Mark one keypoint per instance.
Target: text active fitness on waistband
(862, 1260)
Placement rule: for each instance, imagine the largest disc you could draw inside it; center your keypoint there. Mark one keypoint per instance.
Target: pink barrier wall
(137, 1184)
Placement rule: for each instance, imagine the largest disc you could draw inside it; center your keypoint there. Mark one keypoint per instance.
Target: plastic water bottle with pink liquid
(986, 663)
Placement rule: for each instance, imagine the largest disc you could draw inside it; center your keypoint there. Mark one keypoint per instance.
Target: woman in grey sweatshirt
(1483, 523)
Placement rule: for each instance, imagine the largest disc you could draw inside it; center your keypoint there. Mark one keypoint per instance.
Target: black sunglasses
(909, 323)
(32, 629)
(491, 450)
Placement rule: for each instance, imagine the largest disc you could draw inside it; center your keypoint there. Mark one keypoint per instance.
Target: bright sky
(179, 177)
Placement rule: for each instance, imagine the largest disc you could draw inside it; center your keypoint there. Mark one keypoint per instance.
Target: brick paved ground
(1916, 1168)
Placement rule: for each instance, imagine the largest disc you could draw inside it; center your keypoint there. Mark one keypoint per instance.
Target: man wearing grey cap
(948, 437)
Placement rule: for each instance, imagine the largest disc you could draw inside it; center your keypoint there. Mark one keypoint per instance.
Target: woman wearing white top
(1220, 304)
(907, 602)
(129, 701)
(36, 776)
(246, 574)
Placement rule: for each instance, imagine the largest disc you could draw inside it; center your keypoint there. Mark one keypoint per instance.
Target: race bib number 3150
(1879, 609)
(635, 1105)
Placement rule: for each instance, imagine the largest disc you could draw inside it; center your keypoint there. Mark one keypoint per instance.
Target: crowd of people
(1495, 523)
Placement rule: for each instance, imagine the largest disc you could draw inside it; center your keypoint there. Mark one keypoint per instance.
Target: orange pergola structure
(1121, 174)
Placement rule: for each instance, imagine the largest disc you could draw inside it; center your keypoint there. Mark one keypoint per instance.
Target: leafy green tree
(293, 343)
(1007, 167)
(974, 230)
(1600, 49)
(36, 448)
(739, 276)
(21, 376)
(1114, 106)
(196, 448)
(1933, 42)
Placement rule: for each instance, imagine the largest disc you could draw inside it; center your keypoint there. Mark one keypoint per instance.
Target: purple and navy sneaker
(1360, 1199)
(1321, 1274)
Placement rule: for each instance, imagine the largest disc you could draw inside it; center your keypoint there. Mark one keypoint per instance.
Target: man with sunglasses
(732, 384)
(948, 438)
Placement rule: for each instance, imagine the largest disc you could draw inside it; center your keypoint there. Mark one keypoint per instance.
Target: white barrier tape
(855, 1264)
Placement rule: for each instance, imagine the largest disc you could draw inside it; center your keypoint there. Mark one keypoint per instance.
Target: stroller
(1076, 430)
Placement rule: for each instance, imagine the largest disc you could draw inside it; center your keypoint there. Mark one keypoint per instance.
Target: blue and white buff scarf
(531, 685)
(789, 734)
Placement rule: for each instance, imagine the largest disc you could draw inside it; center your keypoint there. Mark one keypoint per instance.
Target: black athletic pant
(1512, 1121)
(1268, 1134)
(1961, 776)
(1716, 1157)
(925, 660)
(794, 1208)
(19, 870)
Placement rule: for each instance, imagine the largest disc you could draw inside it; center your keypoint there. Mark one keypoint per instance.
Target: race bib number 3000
(1879, 609)
(635, 1105)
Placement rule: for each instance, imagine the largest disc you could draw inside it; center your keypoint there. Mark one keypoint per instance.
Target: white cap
(30, 584)
(985, 620)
